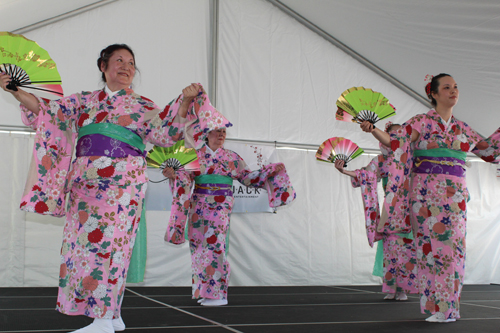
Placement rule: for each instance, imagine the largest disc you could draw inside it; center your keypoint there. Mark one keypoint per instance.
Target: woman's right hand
(169, 173)
(367, 127)
(339, 165)
(4, 81)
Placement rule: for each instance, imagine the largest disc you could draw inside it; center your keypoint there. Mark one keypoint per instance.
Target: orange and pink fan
(338, 148)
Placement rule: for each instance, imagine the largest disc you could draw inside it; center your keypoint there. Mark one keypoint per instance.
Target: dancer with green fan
(106, 182)
(209, 208)
(431, 148)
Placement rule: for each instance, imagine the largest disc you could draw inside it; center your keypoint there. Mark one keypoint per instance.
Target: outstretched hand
(367, 127)
(4, 81)
(279, 167)
(190, 92)
(339, 165)
(169, 173)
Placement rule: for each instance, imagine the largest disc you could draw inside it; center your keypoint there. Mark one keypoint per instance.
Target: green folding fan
(363, 104)
(28, 64)
(176, 157)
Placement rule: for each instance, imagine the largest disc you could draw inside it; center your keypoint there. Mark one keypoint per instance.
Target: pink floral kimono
(399, 261)
(210, 208)
(106, 185)
(438, 202)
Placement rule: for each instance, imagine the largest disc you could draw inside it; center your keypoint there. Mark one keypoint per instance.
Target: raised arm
(339, 165)
(382, 136)
(28, 100)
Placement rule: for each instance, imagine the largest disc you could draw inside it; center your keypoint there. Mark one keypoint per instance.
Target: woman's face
(217, 137)
(120, 70)
(447, 95)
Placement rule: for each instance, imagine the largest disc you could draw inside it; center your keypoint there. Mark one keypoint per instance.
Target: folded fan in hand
(358, 104)
(338, 148)
(175, 157)
(28, 64)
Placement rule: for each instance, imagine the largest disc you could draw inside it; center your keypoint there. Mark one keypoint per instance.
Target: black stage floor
(256, 309)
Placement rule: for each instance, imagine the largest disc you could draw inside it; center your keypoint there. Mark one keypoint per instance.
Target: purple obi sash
(213, 189)
(439, 165)
(101, 145)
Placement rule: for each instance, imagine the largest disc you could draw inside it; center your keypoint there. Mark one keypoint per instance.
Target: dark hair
(390, 127)
(108, 52)
(432, 87)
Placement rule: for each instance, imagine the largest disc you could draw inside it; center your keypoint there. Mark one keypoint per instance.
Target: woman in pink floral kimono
(107, 181)
(437, 198)
(210, 208)
(397, 251)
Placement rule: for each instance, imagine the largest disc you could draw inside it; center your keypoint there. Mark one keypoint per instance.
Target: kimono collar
(433, 113)
(209, 150)
(110, 93)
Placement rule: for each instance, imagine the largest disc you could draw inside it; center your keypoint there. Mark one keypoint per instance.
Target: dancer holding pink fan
(431, 148)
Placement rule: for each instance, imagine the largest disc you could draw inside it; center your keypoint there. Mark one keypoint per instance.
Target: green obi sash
(441, 152)
(113, 131)
(137, 265)
(213, 179)
(385, 180)
(378, 267)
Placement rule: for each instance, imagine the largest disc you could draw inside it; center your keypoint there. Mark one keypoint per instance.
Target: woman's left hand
(190, 92)
(279, 167)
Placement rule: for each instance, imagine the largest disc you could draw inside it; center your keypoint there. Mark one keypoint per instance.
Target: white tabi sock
(401, 297)
(390, 296)
(98, 326)
(214, 302)
(118, 324)
(438, 317)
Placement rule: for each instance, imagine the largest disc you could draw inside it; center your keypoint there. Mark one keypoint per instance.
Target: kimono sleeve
(163, 127)
(369, 173)
(367, 178)
(45, 188)
(489, 148)
(399, 165)
(181, 201)
(277, 184)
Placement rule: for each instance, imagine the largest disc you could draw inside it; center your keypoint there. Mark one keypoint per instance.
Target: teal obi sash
(385, 180)
(441, 152)
(378, 266)
(113, 131)
(213, 179)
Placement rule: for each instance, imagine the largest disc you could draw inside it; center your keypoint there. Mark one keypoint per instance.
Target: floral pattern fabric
(209, 215)
(400, 265)
(438, 206)
(399, 261)
(488, 148)
(106, 193)
(202, 118)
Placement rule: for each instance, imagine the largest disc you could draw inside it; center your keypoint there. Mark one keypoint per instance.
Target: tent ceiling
(406, 39)
(17, 14)
(409, 39)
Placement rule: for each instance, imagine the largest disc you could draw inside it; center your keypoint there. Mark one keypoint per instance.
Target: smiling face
(447, 92)
(216, 138)
(120, 70)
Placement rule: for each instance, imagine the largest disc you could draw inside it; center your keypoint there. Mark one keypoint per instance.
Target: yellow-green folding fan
(28, 64)
(176, 157)
(364, 104)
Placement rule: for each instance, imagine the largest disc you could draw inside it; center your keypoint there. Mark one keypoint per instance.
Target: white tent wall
(171, 41)
(279, 81)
